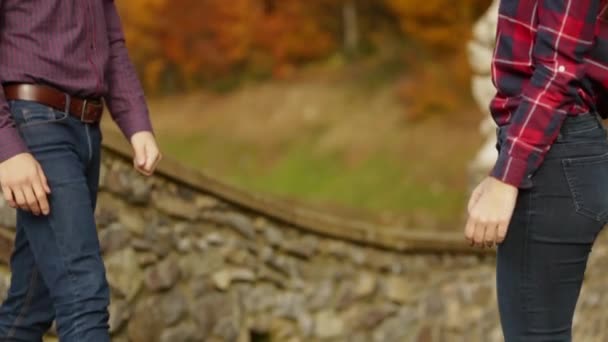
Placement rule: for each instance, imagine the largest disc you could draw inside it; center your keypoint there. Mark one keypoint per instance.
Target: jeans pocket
(587, 179)
(28, 113)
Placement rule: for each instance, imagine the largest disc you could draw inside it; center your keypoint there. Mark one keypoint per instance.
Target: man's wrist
(11, 143)
(131, 124)
(140, 132)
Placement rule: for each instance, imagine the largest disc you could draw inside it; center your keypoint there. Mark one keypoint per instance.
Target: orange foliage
(205, 37)
(194, 42)
(438, 24)
(141, 32)
(442, 28)
(291, 32)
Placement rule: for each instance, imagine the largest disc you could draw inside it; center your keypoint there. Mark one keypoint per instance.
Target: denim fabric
(57, 269)
(541, 264)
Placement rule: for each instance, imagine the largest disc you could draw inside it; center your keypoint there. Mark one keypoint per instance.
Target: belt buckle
(85, 104)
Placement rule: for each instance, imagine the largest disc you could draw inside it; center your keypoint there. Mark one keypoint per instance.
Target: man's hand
(24, 184)
(490, 210)
(146, 152)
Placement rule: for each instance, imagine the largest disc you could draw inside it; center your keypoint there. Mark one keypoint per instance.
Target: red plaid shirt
(550, 61)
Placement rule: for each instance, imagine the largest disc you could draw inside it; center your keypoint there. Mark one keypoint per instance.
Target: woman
(546, 199)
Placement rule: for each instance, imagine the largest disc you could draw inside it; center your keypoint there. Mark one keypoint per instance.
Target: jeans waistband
(580, 134)
(572, 124)
(581, 123)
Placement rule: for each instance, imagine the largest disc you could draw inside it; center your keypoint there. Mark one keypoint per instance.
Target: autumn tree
(292, 32)
(438, 24)
(141, 32)
(189, 43)
(205, 39)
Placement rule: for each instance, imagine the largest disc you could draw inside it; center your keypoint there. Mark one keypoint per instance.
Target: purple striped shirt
(75, 45)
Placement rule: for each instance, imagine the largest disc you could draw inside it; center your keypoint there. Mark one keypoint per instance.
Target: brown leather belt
(87, 110)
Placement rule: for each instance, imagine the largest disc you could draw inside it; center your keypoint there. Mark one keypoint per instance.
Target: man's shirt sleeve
(11, 142)
(566, 32)
(125, 98)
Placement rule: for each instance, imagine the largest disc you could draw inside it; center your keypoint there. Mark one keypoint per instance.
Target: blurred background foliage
(187, 44)
(386, 72)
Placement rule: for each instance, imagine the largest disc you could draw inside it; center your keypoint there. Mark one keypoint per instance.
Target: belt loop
(68, 103)
(82, 111)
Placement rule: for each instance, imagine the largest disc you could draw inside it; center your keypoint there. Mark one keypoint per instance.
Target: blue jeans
(57, 269)
(541, 264)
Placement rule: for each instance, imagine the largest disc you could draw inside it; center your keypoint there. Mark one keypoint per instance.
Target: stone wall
(187, 264)
(190, 259)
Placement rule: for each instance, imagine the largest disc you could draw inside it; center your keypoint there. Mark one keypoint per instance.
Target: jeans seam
(89, 143)
(63, 258)
(73, 279)
(26, 305)
(525, 269)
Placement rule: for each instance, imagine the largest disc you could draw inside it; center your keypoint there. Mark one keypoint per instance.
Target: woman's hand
(490, 210)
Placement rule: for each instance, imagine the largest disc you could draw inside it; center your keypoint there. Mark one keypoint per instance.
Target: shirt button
(561, 68)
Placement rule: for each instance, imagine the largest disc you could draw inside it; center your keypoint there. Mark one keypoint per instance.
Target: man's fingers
(31, 200)
(8, 196)
(20, 199)
(151, 155)
(41, 199)
(156, 161)
(30, 196)
(23, 179)
(43, 180)
(146, 153)
(151, 160)
(140, 155)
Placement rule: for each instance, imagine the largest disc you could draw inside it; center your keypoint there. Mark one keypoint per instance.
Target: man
(546, 199)
(58, 59)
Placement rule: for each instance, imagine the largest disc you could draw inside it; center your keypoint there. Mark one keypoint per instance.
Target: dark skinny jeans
(541, 264)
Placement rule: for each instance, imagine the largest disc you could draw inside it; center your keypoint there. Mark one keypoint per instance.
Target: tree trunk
(351, 26)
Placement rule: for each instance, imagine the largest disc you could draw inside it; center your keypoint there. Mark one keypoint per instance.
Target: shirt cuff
(137, 124)
(513, 171)
(11, 143)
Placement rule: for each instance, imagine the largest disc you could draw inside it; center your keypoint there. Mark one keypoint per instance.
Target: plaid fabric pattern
(550, 61)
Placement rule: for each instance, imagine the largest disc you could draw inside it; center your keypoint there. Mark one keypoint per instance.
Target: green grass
(339, 140)
(377, 184)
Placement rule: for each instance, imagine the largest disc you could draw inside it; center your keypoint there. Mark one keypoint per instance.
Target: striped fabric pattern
(550, 61)
(75, 45)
